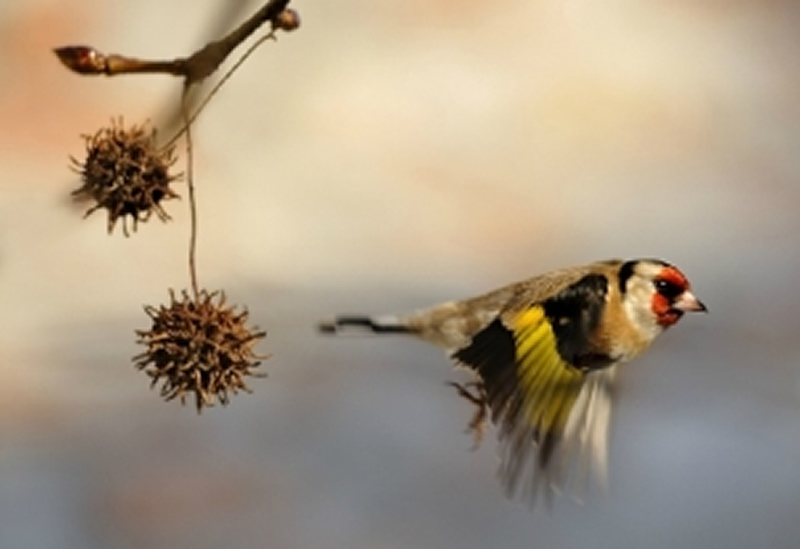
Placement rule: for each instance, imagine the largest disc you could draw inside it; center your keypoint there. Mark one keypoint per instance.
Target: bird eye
(668, 289)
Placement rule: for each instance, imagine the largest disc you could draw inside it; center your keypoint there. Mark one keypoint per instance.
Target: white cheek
(639, 312)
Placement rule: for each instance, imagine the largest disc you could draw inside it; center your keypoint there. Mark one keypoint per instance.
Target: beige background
(386, 156)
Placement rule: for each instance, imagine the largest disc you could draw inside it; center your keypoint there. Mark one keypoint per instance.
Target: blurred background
(387, 156)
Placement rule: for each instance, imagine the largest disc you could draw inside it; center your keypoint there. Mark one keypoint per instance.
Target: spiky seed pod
(199, 346)
(126, 173)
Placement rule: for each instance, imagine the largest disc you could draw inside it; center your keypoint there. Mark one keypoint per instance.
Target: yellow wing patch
(529, 389)
(548, 386)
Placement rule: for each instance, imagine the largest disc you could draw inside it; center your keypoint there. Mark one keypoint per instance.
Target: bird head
(656, 294)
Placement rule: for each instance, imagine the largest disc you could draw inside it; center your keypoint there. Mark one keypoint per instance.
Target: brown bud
(82, 59)
(287, 20)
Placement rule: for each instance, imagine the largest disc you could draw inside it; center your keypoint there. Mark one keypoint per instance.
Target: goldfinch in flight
(545, 353)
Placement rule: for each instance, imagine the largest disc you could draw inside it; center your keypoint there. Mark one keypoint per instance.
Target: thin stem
(190, 120)
(192, 202)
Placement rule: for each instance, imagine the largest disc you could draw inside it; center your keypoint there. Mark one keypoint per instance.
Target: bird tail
(364, 324)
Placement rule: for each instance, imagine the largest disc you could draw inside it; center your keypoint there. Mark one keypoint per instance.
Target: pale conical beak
(688, 303)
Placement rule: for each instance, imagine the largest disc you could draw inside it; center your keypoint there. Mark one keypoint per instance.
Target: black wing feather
(574, 314)
(492, 354)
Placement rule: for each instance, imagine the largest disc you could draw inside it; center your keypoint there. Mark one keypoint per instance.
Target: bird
(544, 354)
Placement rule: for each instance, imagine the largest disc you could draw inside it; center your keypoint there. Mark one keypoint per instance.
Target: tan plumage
(545, 352)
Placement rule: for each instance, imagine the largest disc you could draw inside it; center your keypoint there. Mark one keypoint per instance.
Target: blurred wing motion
(547, 410)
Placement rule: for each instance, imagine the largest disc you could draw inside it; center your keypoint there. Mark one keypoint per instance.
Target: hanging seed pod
(126, 174)
(199, 346)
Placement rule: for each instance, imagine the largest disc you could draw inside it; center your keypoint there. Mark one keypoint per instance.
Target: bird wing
(538, 385)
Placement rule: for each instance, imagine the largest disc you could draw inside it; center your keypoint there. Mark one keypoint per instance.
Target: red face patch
(674, 276)
(670, 283)
(665, 314)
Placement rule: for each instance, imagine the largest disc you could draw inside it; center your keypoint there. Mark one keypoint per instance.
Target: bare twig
(194, 69)
(189, 119)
